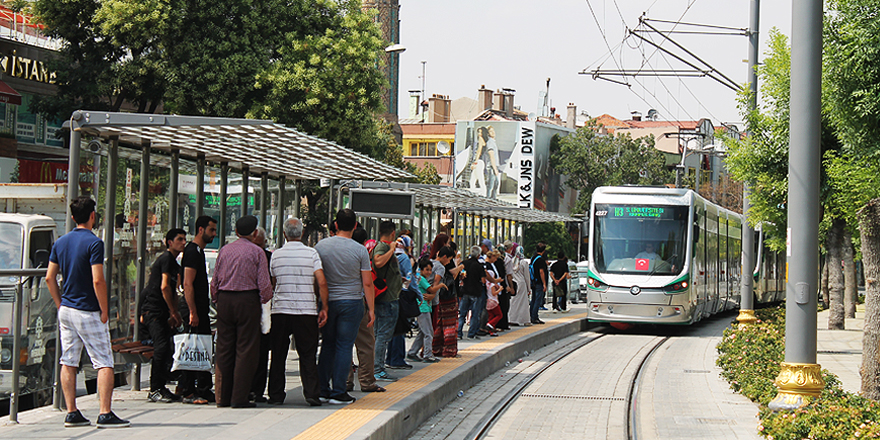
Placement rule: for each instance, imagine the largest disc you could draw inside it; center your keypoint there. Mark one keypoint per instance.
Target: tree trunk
(851, 290)
(869, 226)
(835, 276)
(823, 283)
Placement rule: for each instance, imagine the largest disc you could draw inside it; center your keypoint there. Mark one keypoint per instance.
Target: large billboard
(509, 161)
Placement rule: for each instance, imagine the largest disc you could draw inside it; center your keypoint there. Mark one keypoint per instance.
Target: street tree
(852, 100)
(590, 160)
(554, 235)
(761, 160)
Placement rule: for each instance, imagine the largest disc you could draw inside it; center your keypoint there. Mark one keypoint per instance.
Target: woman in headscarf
(519, 304)
(445, 312)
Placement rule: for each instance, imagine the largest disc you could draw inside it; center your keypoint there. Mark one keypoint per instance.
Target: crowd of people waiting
(342, 294)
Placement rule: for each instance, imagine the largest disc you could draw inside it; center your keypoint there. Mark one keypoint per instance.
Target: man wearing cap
(240, 283)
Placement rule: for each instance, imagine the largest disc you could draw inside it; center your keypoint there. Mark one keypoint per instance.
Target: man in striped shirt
(296, 269)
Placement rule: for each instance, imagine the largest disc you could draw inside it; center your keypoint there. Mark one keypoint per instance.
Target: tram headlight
(678, 286)
(5, 355)
(596, 284)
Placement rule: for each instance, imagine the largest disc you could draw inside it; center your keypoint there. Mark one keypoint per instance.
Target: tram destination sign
(635, 211)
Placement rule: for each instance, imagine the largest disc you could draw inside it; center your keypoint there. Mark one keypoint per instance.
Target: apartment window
(426, 149)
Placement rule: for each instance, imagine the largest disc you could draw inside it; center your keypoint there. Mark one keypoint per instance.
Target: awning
(8, 95)
(261, 145)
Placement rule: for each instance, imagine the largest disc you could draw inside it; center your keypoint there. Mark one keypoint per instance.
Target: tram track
(487, 422)
(479, 432)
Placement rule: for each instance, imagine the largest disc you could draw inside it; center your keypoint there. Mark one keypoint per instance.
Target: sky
(518, 44)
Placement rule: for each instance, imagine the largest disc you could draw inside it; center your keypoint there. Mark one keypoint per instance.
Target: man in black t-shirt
(559, 273)
(195, 386)
(159, 312)
(539, 281)
(472, 293)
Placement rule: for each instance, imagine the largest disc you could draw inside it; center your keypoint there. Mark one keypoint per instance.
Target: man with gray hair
(296, 269)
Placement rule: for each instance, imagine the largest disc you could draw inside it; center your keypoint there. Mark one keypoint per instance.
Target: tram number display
(636, 212)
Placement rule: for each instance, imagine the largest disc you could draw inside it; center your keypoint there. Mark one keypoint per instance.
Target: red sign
(34, 171)
(642, 263)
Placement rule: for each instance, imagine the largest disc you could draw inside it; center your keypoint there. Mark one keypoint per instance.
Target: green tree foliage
(305, 86)
(553, 234)
(852, 74)
(591, 160)
(85, 62)
(761, 158)
(310, 64)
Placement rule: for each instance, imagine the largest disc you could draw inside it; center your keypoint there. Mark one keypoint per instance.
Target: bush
(835, 415)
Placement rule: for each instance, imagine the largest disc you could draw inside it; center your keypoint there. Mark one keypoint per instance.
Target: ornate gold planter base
(746, 317)
(798, 384)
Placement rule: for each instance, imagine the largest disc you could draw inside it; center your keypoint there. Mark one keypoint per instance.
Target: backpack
(408, 302)
(450, 287)
(379, 284)
(532, 268)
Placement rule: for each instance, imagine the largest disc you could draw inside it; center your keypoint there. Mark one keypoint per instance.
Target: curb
(409, 414)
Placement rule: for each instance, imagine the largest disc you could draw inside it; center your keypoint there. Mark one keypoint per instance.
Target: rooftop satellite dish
(533, 116)
(443, 147)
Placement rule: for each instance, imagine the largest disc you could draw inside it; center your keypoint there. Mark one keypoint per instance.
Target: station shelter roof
(261, 145)
(465, 202)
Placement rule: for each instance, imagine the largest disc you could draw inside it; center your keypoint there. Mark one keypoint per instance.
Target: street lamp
(395, 48)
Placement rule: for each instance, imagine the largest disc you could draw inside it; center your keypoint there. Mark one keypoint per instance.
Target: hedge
(750, 359)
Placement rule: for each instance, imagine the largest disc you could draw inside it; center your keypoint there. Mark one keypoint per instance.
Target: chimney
(485, 98)
(571, 118)
(438, 108)
(413, 106)
(498, 101)
(508, 104)
(636, 115)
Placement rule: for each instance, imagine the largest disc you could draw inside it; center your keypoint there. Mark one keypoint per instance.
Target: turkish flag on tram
(642, 263)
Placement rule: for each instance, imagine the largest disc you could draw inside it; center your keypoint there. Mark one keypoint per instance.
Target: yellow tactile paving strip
(349, 419)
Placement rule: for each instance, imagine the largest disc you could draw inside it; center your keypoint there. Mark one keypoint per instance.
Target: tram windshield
(640, 239)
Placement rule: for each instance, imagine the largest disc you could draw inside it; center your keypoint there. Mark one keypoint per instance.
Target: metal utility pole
(747, 298)
(800, 377)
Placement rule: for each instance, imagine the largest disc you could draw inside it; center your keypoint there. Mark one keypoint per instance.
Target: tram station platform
(409, 403)
(418, 394)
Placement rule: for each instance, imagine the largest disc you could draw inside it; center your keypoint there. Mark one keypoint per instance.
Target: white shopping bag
(193, 352)
(266, 318)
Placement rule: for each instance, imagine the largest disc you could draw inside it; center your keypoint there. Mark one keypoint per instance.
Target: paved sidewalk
(840, 351)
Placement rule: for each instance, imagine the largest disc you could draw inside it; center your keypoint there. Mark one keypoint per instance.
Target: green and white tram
(668, 256)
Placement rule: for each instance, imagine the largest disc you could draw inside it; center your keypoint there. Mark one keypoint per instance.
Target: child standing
(425, 339)
(492, 306)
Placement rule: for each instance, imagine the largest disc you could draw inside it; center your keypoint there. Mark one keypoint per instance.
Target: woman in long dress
(519, 304)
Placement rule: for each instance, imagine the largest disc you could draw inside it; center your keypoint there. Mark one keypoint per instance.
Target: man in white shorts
(83, 312)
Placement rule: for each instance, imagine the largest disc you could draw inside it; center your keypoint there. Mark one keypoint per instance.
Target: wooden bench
(132, 351)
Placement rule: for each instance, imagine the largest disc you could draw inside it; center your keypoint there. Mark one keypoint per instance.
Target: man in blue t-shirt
(83, 312)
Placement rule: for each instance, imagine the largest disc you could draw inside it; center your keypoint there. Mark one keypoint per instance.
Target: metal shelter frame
(488, 217)
(259, 147)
